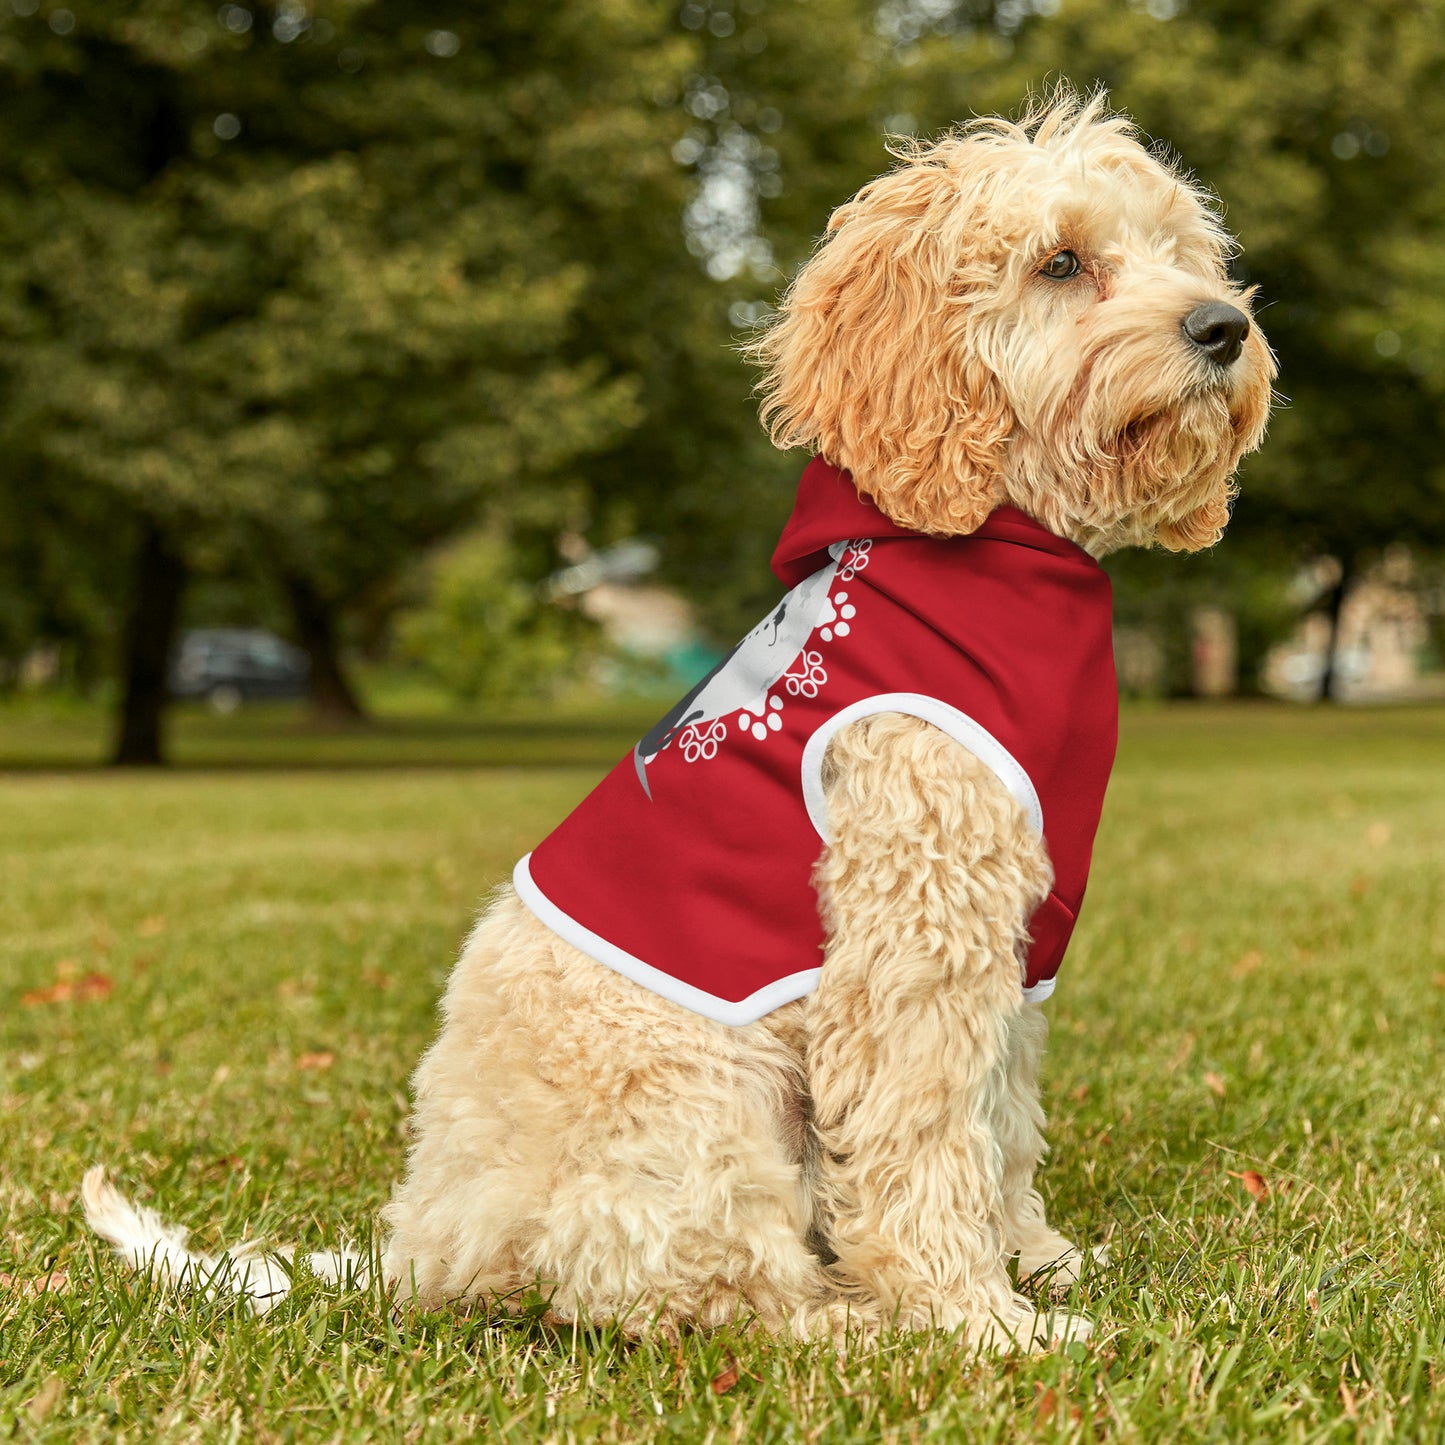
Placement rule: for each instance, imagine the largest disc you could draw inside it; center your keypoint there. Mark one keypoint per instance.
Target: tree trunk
(333, 699)
(1329, 675)
(150, 629)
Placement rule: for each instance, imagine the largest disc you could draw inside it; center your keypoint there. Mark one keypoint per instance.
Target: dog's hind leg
(577, 1135)
(927, 884)
(681, 1197)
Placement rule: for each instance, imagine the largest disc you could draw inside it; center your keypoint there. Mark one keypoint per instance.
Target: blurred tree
(480, 632)
(780, 113)
(326, 283)
(58, 573)
(306, 280)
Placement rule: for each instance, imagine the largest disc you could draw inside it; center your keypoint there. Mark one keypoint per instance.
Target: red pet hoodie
(689, 867)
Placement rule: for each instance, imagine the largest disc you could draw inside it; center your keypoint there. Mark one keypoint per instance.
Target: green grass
(410, 728)
(1256, 985)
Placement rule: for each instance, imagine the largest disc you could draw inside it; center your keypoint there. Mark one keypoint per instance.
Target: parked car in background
(227, 666)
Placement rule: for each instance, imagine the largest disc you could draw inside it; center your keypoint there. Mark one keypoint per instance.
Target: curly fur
(645, 1164)
(865, 1156)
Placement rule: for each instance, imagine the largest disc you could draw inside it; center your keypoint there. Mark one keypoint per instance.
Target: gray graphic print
(741, 681)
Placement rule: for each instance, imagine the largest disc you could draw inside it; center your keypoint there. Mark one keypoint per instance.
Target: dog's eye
(1060, 266)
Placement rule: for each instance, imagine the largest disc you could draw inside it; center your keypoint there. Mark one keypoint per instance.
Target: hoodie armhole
(947, 719)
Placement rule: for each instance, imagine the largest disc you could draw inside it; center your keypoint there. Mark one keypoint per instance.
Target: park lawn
(217, 980)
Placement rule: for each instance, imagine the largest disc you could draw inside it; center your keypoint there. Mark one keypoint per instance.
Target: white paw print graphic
(768, 720)
(701, 742)
(809, 677)
(839, 625)
(855, 558)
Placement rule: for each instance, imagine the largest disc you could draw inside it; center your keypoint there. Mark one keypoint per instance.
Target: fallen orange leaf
(1214, 1083)
(92, 986)
(1254, 1182)
(1047, 1405)
(724, 1382)
(321, 1059)
(56, 1282)
(56, 993)
(1248, 963)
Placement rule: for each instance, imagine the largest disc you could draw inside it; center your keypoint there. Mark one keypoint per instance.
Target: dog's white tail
(147, 1243)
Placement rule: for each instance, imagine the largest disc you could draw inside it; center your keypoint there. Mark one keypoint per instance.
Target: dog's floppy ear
(871, 361)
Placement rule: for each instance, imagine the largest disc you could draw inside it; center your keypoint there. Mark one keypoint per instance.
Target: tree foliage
(480, 632)
(322, 284)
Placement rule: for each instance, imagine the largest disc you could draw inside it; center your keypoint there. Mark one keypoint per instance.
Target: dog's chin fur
(864, 1158)
(1165, 477)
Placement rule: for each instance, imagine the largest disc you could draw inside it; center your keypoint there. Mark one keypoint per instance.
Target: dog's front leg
(926, 887)
(1043, 1253)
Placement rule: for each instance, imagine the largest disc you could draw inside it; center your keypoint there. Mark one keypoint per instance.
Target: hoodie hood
(830, 509)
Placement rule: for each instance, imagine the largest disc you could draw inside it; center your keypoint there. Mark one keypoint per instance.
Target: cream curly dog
(1033, 316)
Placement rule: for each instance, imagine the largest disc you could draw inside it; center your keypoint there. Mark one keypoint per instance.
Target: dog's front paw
(1057, 1266)
(1023, 1326)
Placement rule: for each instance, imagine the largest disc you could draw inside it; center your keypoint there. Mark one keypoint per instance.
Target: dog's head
(1036, 313)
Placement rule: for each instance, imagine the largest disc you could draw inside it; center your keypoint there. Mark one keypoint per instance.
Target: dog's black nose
(1217, 330)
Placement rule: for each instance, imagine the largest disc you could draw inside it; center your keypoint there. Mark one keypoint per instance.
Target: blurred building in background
(1382, 645)
(653, 636)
